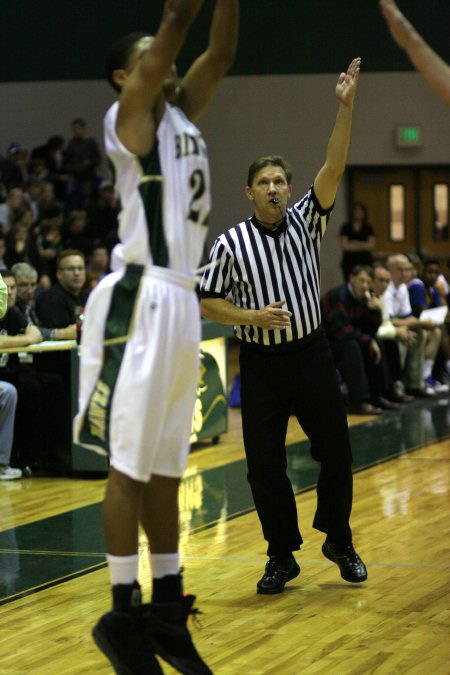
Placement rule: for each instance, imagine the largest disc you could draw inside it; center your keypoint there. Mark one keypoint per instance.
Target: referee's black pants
(297, 376)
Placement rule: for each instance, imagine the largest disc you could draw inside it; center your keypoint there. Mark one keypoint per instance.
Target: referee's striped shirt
(258, 266)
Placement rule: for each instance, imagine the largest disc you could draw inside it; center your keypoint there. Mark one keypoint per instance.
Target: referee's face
(269, 192)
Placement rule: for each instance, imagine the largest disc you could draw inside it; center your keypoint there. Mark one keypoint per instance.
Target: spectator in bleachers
(82, 159)
(52, 155)
(60, 307)
(400, 312)
(14, 169)
(423, 294)
(99, 261)
(20, 244)
(8, 404)
(26, 277)
(39, 426)
(49, 246)
(76, 232)
(48, 204)
(403, 354)
(350, 318)
(104, 216)
(16, 203)
(32, 192)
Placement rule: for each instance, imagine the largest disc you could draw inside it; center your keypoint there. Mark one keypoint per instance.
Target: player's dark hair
(118, 55)
(269, 160)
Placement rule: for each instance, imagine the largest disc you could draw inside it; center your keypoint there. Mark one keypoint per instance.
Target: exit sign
(408, 137)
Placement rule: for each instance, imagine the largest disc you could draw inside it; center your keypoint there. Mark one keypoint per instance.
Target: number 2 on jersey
(197, 183)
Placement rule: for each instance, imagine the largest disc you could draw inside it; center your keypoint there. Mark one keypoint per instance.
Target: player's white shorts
(139, 371)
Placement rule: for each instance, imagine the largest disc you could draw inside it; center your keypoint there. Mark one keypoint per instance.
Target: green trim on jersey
(151, 191)
(96, 423)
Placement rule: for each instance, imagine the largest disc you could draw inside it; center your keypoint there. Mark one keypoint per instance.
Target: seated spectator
(397, 340)
(52, 154)
(49, 247)
(61, 306)
(14, 170)
(8, 404)
(423, 294)
(39, 433)
(81, 160)
(16, 203)
(26, 277)
(350, 318)
(37, 171)
(20, 244)
(99, 261)
(32, 192)
(104, 216)
(400, 312)
(60, 310)
(443, 286)
(97, 268)
(48, 204)
(76, 234)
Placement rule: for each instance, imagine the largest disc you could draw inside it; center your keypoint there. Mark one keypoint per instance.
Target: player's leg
(120, 633)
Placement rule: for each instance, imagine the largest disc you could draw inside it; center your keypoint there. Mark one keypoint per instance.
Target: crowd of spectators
(58, 225)
(386, 351)
(53, 198)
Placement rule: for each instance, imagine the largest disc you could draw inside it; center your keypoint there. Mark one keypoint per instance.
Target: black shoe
(278, 571)
(166, 628)
(351, 566)
(120, 636)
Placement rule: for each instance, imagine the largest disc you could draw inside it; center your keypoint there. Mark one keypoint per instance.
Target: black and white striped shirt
(258, 266)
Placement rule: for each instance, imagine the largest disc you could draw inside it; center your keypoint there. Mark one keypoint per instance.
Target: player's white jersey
(165, 196)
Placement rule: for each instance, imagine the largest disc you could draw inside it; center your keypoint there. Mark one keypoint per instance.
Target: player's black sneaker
(120, 636)
(166, 623)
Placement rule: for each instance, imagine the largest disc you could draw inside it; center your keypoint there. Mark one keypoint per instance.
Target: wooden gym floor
(54, 582)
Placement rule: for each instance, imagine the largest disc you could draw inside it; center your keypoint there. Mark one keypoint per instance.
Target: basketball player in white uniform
(140, 343)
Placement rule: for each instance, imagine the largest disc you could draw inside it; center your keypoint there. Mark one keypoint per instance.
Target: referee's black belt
(292, 347)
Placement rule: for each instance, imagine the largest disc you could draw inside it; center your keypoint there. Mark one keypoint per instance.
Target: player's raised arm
(207, 71)
(149, 64)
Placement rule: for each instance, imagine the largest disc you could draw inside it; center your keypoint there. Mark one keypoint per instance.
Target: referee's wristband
(53, 334)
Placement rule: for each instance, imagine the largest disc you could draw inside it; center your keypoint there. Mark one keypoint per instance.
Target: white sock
(427, 368)
(164, 563)
(123, 569)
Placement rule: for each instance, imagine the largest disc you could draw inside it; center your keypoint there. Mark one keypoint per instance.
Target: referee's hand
(272, 317)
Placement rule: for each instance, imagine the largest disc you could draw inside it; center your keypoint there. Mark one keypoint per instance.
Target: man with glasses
(61, 306)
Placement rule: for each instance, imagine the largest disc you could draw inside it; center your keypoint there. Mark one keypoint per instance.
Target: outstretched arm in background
(435, 71)
(329, 176)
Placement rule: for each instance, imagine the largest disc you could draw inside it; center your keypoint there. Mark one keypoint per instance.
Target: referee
(265, 280)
